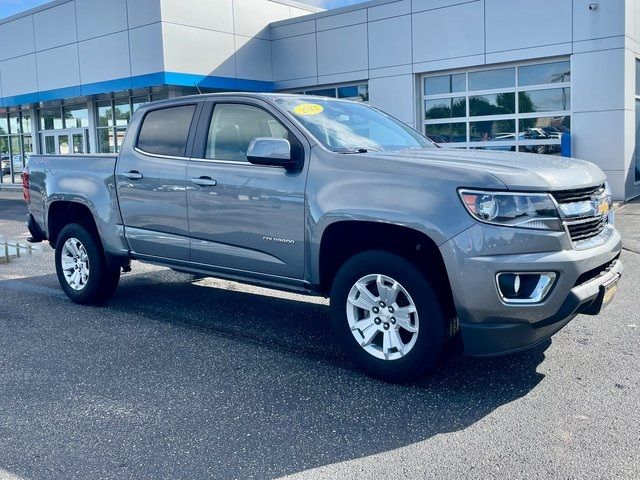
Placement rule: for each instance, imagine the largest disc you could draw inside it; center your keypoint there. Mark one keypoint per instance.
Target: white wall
(224, 38)
(71, 43)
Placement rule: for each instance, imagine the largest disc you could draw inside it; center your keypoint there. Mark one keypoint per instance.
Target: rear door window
(165, 131)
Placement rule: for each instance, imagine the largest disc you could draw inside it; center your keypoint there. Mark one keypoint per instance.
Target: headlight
(523, 210)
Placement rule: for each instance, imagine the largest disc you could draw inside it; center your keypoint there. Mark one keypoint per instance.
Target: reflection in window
(105, 113)
(495, 104)
(122, 109)
(106, 140)
(558, 72)
(76, 117)
(498, 119)
(15, 145)
(446, 108)
(164, 131)
(492, 79)
(492, 130)
(446, 132)
(356, 92)
(550, 100)
(326, 92)
(234, 126)
(445, 84)
(51, 119)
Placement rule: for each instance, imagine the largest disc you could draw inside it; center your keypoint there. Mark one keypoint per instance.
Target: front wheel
(82, 268)
(387, 316)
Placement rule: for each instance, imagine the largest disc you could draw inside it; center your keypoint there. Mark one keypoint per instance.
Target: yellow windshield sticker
(308, 109)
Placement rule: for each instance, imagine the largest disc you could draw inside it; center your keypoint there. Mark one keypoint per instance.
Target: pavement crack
(627, 249)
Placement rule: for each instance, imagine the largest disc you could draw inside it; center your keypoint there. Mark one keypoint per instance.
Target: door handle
(205, 181)
(133, 175)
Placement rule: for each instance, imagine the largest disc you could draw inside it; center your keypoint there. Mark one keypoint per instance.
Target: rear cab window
(165, 131)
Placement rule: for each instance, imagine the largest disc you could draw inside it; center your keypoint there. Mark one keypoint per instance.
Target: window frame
(517, 89)
(165, 106)
(204, 124)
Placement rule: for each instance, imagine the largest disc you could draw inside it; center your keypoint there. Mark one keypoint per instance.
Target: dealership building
(518, 75)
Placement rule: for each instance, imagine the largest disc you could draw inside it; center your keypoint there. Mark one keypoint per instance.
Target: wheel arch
(64, 212)
(343, 239)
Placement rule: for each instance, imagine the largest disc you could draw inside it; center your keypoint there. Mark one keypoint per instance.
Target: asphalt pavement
(187, 377)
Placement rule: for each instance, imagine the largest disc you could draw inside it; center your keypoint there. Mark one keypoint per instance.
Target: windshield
(349, 127)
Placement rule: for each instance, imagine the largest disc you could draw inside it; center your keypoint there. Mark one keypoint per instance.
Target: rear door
(244, 216)
(151, 181)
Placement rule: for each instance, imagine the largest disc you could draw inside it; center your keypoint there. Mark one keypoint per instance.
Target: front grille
(578, 195)
(586, 229)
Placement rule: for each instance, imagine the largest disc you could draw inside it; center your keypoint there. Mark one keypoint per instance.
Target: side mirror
(275, 152)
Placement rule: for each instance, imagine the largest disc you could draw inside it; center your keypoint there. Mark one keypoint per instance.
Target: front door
(150, 176)
(244, 216)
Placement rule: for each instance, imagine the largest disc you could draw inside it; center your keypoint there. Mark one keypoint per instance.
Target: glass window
(51, 119)
(105, 113)
(324, 92)
(354, 92)
(447, 132)
(446, 108)
(159, 96)
(545, 127)
(494, 104)
(551, 100)
(234, 126)
(106, 140)
(4, 124)
(492, 79)
(76, 117)
(50, 145)
(546, 73)
(15, 125)
(26, 122)
(78, 143)
(120, 134)
(63, 145)
(492, 130)
(27, 149)
(122, 112)
(165, 131)
(445, 84)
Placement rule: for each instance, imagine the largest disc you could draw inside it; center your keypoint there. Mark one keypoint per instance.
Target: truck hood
(517, 171)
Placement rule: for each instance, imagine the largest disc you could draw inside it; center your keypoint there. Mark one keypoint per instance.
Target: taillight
(25, 187)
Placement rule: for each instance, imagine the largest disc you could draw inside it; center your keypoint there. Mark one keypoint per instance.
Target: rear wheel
(82, 268)
(387, 316)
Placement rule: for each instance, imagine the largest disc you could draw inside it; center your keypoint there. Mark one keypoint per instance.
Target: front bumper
(491, 327)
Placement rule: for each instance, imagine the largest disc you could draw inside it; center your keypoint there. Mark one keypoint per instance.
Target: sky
(10, 7)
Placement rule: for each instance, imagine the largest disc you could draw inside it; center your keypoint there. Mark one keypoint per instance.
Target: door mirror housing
(275, 152)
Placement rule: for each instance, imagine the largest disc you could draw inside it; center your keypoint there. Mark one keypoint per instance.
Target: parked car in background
(5, 164)
(413, 244)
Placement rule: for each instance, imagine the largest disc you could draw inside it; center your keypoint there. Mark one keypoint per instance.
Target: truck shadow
(282, 400)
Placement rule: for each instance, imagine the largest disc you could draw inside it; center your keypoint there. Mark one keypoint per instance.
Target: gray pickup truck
(412, 243)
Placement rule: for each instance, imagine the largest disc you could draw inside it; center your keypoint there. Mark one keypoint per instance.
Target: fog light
(524, 287)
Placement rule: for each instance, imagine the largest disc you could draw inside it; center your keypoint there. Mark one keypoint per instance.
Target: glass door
(66, 142)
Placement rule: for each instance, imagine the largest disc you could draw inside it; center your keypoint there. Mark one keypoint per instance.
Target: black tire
(434, 328)
(102, 280)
